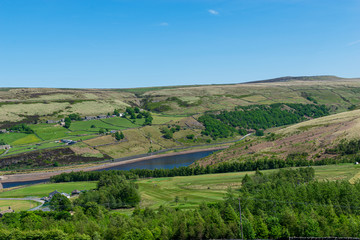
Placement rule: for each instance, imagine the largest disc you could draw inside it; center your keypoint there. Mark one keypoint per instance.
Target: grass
(193, 190)
(49, 131)
(49, 103)
(83, 127)
(123, 123)
(136, 143)
(86, 126)
(100, 140)
(41, 190)
(20, 205)
(28, 148)
(164, 119)
(190, 190)
(30, 138)
(19, 138)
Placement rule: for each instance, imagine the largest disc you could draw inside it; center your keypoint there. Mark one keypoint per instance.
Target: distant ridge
(300, 78)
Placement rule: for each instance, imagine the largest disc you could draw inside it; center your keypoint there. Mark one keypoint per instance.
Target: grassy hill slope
(29, 104)
(308, 139)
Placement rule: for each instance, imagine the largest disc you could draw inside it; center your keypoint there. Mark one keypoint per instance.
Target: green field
(49, 131)
(19, 138)
(18, 205)
(123, 123)
(42, 190)
(193, 190)
(190, 190)
(108, 123)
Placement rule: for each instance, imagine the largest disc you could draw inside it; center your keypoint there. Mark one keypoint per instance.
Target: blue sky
(137, 43)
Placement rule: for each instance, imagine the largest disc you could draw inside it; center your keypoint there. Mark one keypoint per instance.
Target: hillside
(170, 107)
(308, 139)
(30, 104)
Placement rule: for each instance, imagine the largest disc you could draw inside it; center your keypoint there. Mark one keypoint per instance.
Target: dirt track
(46, 175)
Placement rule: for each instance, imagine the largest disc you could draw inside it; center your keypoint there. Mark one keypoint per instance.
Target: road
(4, 152)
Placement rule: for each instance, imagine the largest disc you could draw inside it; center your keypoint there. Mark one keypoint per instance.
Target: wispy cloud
(213, 12)
(164, 24)
(353, 43)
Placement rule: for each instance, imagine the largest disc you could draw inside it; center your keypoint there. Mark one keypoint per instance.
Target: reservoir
(160, 162)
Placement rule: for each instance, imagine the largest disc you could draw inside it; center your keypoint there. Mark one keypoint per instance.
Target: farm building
(101, 116)
(6, 147)
(89, 118)
(55, 192)
(75, 192)
(3, 131)
(68, 142)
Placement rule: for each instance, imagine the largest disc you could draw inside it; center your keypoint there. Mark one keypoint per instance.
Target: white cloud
(164, 24)
(213, 12)
(353, 43)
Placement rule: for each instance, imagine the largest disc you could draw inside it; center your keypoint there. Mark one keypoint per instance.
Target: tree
(119, 136)
(75, 117)
(93, 126)
(137, 110)
(22, 128)
(116, 112)
(2, 142)
(67, 122)
(131, 112)
(168, 135)
(122, 136)
(190, 136)
(60, 203)
(102, 131)
(259, 133)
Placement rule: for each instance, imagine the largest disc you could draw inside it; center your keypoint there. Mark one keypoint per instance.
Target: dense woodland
(256, 117)
(112, 192)
(282, 204)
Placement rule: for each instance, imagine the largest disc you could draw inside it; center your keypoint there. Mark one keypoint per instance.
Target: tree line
(240, 166)
(278, 205)
(256, 117)
(23, 128)
(345, 147)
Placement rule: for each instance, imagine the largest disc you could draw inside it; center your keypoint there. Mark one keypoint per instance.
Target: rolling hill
(308, 139)
(30, 104)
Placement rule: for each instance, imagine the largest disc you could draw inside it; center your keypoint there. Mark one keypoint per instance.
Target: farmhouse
(75, 192)
(3, 131)
(5, 147)
(101, 116)
(53, 193)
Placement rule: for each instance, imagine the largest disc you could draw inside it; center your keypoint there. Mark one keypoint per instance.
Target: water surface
(160, 162)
